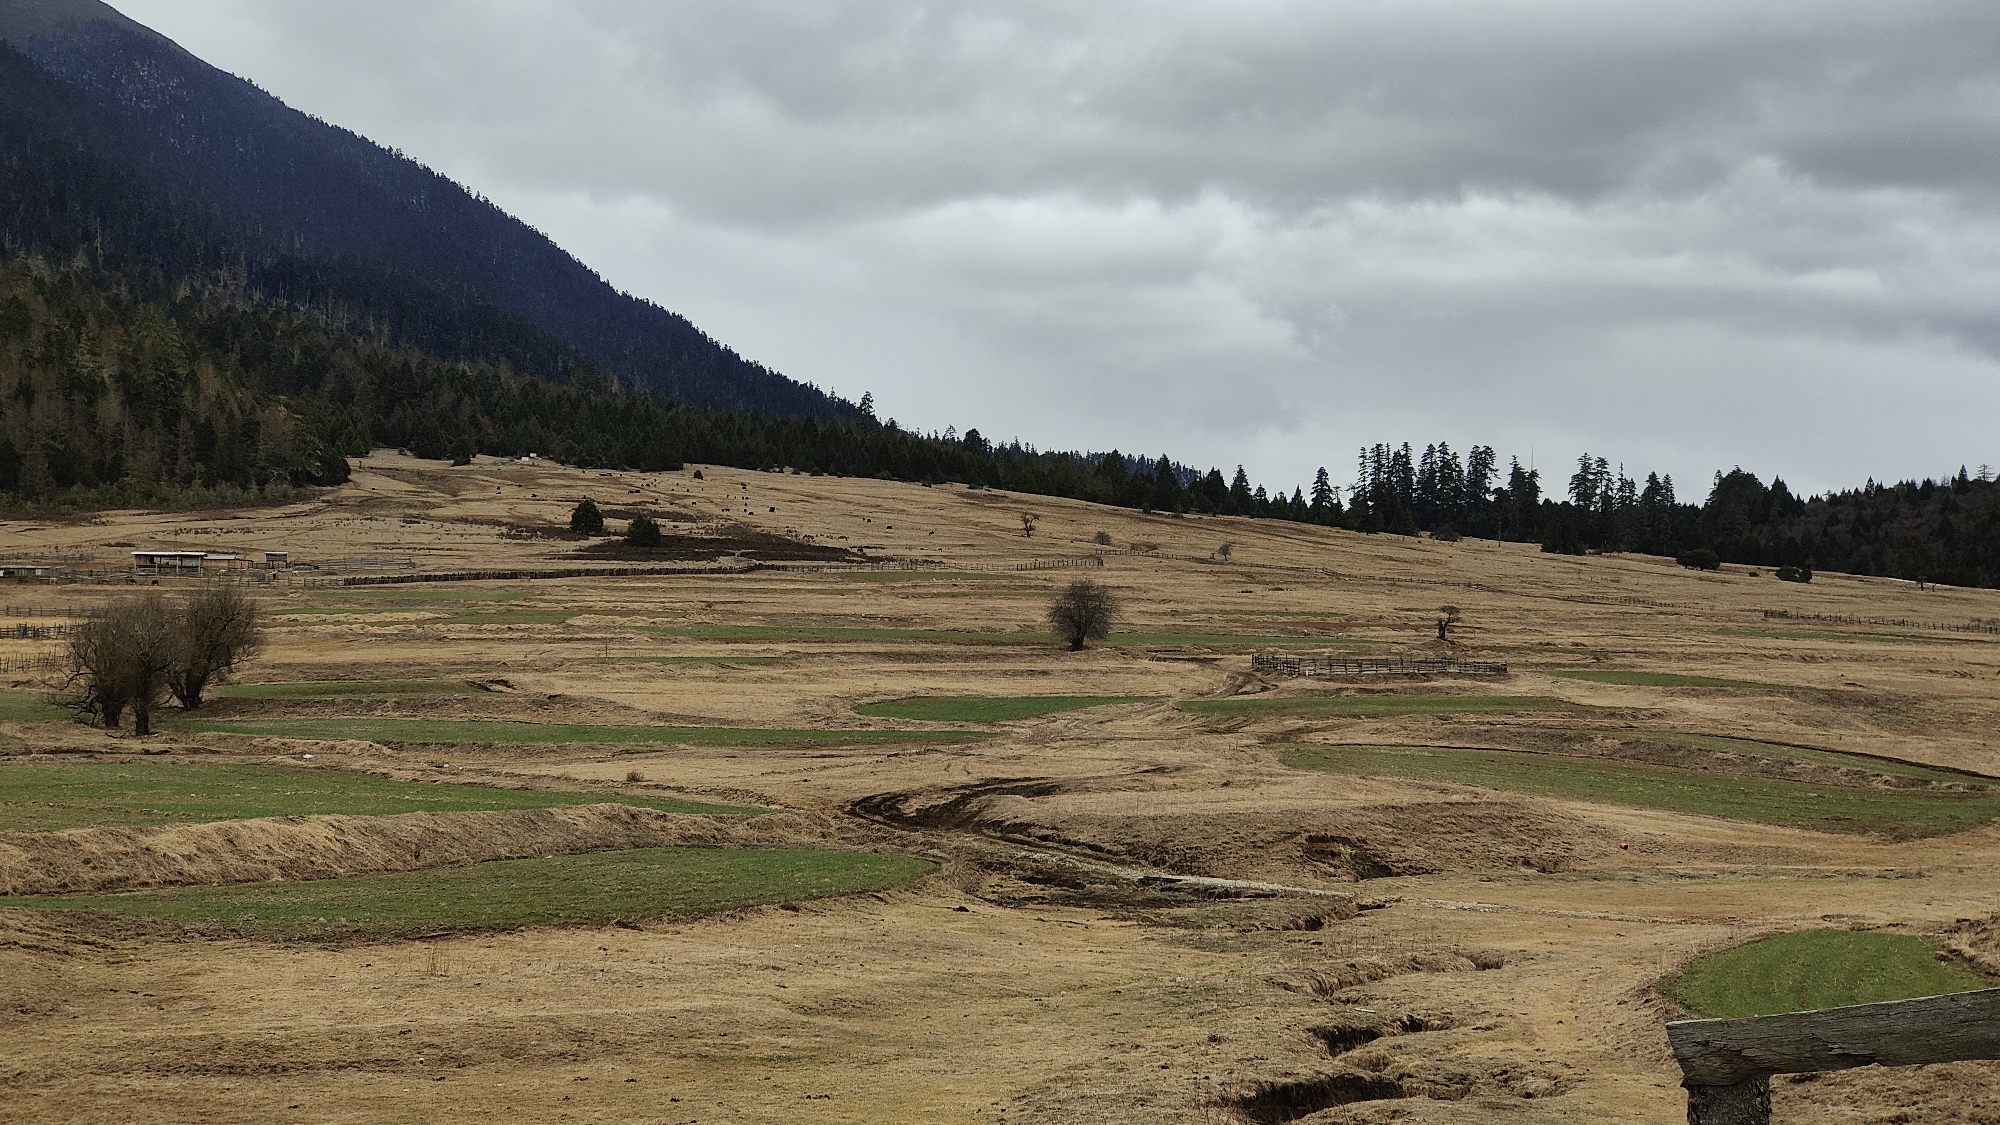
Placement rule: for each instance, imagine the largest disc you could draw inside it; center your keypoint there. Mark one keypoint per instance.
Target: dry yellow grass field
(1141, 912)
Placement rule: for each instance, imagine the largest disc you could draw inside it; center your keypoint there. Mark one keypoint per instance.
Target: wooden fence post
(1745, 1103)
(1728, 1064)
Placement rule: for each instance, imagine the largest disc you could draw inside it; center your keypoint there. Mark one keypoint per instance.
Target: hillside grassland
(1168, 885)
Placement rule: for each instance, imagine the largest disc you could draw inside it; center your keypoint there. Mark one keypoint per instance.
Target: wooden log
(1929, 1029)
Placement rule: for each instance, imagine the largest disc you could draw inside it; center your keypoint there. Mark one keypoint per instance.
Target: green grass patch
(516, 617)
(1817, 969)
(1783, 753)
(573, 890)
(1822, 807)
(425, 594)
(689, 659)
(1664, 679)
(920, 576)
(833, 633)
(1369, 706)
(477, 730)
(1256, 613)
(349, 689)
(989, 709)
(1227, 640)
(45, 798)
(21, 707)
(348, 611)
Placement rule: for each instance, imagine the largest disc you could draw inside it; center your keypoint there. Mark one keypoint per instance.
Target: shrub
(1102, 539)
(1701, 558)
(586, 519)
(1446, 534)
(642, 532)
(1795, 574)
(1084, 611)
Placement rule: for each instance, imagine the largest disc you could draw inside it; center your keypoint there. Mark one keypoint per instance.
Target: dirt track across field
(1140, 915)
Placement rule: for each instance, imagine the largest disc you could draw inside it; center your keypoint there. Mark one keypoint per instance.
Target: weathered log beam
(1929, 1029)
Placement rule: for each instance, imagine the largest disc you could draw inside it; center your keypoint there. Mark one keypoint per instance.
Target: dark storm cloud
(1689, 235)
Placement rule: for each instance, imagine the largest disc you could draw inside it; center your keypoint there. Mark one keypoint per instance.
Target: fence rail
(1890, 622)
(1336, 666)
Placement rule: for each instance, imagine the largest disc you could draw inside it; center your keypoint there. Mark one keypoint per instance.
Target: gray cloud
(1687, 236)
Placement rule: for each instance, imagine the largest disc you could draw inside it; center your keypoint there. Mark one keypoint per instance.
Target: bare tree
(218, 628)
(1447, 617)
(1084, 611)
(131, 655)
(121, 659)
(1028, 524)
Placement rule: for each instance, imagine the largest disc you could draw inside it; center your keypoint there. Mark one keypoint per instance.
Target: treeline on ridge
(118, 390)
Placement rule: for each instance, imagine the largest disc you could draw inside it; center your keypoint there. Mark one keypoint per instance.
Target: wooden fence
(42, 611)
(1727, 1064)
(26, 632)
(1890, 622)
(1336, 666)
(35, 662)
(1060, 562)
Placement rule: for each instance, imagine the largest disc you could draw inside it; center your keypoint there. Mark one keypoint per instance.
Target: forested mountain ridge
(179, 326)
(345, 212)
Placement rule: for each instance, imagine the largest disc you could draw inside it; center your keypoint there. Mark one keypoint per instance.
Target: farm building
(168, 562)
(16, 573)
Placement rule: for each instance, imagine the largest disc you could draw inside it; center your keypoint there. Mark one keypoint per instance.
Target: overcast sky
(1682, 236)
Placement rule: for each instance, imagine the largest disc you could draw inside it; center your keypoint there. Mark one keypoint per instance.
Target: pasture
(460, 850)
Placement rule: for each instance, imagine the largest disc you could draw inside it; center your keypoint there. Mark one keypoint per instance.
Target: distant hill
(323, 216)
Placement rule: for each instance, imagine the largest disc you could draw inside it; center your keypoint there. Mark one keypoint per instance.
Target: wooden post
(1728, 1064)
(1745, 1103)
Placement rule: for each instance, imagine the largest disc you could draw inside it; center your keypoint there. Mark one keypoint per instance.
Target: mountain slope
(283, 183)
